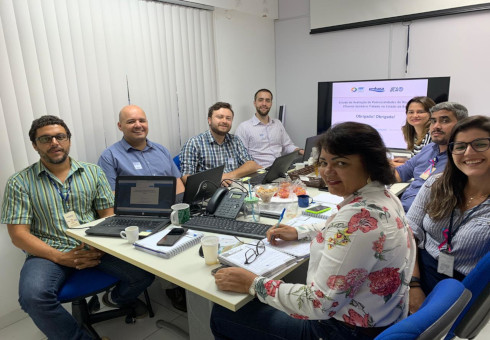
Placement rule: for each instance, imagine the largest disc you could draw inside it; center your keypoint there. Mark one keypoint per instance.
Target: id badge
(427, 172)
(137, 166)
(71, 219)
(445, 265)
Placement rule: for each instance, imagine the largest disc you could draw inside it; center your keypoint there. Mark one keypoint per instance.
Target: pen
(280, 218)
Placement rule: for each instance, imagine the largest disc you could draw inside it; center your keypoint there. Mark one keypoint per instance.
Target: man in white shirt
(265, 138)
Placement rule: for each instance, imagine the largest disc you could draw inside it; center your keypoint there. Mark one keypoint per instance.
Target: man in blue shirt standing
(433, 157)
(134, 154)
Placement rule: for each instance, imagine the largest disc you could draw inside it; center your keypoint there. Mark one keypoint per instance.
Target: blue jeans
(41, 279)
(257, 321)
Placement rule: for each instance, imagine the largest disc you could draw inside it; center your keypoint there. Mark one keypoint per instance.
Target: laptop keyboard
(121, 223)
(228, 226)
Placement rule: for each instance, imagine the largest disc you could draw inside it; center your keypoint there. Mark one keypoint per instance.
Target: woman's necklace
(470, 200)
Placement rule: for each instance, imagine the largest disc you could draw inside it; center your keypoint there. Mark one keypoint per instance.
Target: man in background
(265, 138)
(432, 158)
(135, 154)
(217, 147)
(40, 203)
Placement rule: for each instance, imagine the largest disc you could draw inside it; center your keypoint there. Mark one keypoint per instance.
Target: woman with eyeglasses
(361, 258)
(451, 213)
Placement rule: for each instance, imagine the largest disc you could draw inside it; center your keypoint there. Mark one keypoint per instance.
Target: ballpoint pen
(280, 218)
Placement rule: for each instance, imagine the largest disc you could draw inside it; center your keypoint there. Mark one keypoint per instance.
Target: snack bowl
(265, 191)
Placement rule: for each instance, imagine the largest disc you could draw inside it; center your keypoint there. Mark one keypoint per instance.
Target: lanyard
(448, 233)
(63, 197)
(434, 161)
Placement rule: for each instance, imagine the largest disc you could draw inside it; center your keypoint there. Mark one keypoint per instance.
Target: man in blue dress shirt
(134, 154)
(433, 157)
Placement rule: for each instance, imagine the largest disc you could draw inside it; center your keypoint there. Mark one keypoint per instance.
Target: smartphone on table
(172, 237)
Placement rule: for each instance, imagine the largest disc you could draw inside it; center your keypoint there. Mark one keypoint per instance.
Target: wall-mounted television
(379, 103)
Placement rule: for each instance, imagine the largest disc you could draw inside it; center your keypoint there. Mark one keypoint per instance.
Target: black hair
(262, 90)
(351, 138)
(44, 121)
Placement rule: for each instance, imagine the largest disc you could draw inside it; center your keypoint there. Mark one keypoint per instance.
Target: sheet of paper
(299, 248)
(326, 197)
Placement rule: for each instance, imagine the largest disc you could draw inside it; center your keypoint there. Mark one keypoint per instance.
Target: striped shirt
(470, 242)
(265, 142)
(32, 198)
(417, 148)
(202, 153)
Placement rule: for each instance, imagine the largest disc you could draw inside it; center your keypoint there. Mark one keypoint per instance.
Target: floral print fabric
(360, 265)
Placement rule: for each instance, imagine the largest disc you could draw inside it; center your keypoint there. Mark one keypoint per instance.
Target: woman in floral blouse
(361, 259)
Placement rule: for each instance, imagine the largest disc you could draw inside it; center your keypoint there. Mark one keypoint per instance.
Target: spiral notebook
(269, 263)
(149, 244)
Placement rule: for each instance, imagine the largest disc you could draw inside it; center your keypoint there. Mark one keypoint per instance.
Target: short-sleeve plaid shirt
(202, 153)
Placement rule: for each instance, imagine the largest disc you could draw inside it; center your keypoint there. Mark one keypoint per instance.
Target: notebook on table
(143, 201)
(201, 185)
(278, 169)
(149, 244)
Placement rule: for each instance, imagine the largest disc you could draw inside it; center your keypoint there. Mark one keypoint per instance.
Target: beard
(263, 114)
(45, 156)
(219, 132)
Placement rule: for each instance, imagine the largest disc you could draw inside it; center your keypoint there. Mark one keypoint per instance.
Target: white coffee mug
(131, 234)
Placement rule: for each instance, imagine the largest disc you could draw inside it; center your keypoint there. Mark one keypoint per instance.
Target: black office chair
(87, 283)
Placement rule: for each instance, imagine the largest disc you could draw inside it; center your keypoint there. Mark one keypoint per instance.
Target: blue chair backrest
(436, 315)
(475, 281)
(177, 161)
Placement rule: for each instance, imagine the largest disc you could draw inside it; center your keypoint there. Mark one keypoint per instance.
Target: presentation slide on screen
(380, 104)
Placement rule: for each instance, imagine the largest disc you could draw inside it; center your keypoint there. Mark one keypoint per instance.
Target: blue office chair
(477, 313)
(436, 315)
(87, 283)
(177, 161)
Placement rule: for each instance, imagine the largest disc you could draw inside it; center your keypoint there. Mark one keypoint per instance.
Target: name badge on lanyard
(430, 169)
(70, 217)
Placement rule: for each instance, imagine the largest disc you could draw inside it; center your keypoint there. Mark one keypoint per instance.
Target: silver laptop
(143, 201)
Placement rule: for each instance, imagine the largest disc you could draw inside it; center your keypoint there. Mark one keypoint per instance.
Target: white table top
(186, 269)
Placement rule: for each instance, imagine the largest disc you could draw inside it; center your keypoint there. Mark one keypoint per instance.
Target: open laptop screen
(145, 195)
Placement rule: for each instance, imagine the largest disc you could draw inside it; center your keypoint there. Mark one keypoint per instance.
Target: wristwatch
(251, 290)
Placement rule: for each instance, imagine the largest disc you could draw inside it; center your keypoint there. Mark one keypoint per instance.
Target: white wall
(245, 62)
(455, 46)
(245, 59)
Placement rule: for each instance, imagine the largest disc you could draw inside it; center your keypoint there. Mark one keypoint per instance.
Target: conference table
(189, 271)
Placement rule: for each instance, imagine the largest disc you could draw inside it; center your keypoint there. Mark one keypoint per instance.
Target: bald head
(134, 125)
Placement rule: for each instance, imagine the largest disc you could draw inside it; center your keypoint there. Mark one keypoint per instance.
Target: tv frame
(436, 89)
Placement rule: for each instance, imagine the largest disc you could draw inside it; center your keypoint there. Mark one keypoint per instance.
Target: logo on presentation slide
(354, 89)
(377, 89)
(357, 89)
(396, 89)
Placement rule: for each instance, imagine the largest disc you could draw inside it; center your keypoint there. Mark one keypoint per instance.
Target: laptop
(201, 185)
(143, 201)
(403, 153)
(311, 142)
(278, 169)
